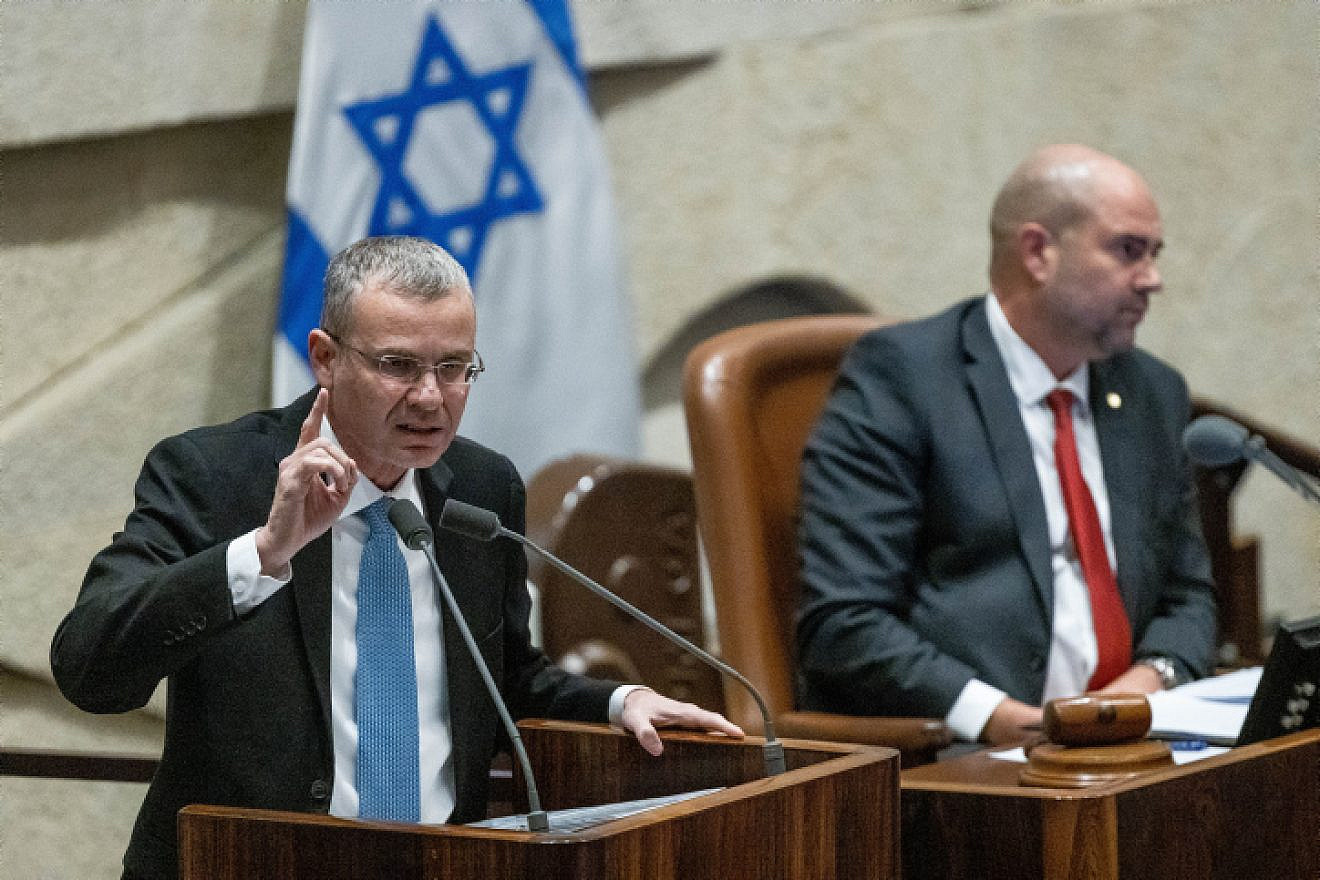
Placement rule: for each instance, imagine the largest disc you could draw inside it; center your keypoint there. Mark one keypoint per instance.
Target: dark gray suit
(925, 552)
(248, 709)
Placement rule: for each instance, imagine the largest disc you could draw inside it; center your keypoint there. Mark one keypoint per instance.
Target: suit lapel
(311, 578)
(1010, 447)
(462, 679)
(435, 488)
(1120, 450)
(311, 595)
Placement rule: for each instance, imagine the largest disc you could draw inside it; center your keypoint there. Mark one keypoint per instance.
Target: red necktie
(1113, 633)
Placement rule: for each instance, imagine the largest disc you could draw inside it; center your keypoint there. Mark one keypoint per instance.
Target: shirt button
(319, 791)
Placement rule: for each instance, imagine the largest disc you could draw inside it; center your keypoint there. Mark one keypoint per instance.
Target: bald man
(996, 509)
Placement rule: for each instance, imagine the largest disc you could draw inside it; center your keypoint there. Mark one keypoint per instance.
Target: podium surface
(834, 814)
(1251, 812)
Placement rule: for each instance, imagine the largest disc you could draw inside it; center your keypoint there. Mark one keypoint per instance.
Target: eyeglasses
(409, 370)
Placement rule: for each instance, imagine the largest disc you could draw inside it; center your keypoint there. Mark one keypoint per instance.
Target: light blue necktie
(386, 684)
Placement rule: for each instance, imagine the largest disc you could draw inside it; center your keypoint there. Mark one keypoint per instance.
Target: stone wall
(143, 146)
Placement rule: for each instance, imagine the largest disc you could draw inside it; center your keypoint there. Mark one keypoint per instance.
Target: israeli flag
(468, 124)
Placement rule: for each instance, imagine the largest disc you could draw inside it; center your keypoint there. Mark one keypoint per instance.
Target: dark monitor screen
(1288, 697)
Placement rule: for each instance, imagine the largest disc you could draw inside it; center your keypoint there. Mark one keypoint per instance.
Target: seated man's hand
(1138, 679)
(644, 710)
(1012, 723)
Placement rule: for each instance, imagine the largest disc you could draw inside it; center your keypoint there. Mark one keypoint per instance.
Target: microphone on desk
(416, 534)
(484, 525)
(1214, 441)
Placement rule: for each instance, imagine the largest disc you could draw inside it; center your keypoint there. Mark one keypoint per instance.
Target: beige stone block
(94, 67)
(73, 451)
(60, 828)
(99, 236)
(813, 158)
(631, 32)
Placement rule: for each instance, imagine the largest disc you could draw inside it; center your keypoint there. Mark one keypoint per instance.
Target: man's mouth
(420, 430)
(1135, 312)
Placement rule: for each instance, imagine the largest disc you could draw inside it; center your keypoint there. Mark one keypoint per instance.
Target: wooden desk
(1253, 812)
(832, 816)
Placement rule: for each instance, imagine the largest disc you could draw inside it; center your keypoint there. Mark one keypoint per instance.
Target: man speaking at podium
(996, 509)
(310, 665)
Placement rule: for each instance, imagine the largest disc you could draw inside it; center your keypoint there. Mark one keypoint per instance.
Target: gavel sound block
(1093, 739)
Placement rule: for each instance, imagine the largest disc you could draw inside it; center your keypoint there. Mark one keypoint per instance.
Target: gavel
(1096, 719)
(1094, 739)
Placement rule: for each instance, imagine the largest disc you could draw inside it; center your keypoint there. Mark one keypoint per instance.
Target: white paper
(1234, 687)
(1178, 715)
(582, 818)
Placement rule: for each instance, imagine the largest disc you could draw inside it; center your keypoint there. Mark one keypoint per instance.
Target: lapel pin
(1114, 400)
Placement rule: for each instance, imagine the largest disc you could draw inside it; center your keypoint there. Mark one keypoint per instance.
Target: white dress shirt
(249, 588)
(1073, 652)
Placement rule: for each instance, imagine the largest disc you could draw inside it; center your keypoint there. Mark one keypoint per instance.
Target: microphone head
(1214, 441)
(410, 524)
(468, 519)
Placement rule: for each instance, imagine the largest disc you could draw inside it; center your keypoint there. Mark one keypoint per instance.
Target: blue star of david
(385, 126)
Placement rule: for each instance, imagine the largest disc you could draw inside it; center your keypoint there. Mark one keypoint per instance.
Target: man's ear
(1038, 251)
(321, 352)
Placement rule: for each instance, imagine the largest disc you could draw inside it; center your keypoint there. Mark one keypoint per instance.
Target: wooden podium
(1251, 812)
(834, 814)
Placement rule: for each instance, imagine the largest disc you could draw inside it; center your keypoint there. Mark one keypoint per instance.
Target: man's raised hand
(314, 484)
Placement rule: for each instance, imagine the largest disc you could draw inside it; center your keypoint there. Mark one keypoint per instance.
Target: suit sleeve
(863, 504)
(1183, 623)
(151, 594)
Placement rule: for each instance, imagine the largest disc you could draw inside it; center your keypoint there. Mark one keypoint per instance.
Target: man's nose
(1150, 280)
(427, 387)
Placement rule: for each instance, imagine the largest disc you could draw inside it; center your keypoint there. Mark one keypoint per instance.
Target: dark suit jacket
(248, 700)
(925, 553)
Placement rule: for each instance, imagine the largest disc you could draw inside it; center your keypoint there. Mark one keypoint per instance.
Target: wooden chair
(751, 395)
(633, 528)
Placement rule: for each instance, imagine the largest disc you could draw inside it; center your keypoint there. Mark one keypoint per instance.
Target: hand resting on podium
(644, 710)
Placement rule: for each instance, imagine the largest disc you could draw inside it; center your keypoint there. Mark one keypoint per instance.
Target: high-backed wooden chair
(633, 528)
(751, 395)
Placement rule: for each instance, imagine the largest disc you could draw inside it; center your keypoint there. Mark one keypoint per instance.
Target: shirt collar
(366, 492)
(1028, 375)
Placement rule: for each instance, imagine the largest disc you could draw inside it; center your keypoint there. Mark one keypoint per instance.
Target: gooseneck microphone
(416, 534)
(1214, 441)
(484, 525)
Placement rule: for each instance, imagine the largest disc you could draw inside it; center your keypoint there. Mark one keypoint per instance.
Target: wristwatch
(1164, 668)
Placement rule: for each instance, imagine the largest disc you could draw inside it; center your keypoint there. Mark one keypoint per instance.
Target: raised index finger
(311, 426)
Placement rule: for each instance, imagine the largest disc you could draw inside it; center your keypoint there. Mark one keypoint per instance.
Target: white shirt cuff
(973, 709)
(616, 701)
(247, 585)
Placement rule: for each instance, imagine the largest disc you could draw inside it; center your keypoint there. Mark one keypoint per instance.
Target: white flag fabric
(469, 124)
